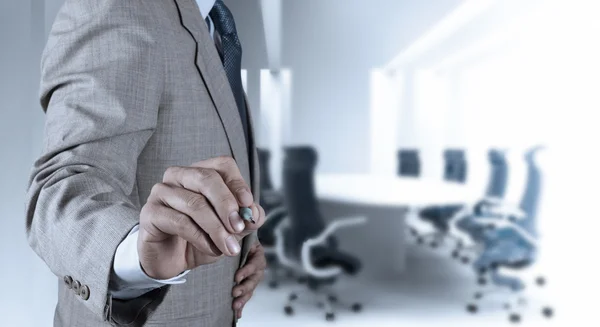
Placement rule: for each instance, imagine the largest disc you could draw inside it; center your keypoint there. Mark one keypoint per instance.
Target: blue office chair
(272, 202)
(409, 163)
(510, 244)
(493, 197)
(305, 242)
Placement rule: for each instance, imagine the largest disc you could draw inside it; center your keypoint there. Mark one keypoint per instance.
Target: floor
(432, 292)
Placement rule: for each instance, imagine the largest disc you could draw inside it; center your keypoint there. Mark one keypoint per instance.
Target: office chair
(455, 166)
(510, 244)
(455, 170)
(304, 242)
(459, 225)
(409, 163)
(272, 202)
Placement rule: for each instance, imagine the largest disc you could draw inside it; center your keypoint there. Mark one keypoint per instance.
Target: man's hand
(192, 218)
(248, 277)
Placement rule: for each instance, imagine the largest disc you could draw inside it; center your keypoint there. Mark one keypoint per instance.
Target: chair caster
(414, 232)
(472, 308)
(548, 312)
(330, 316)
(332, 298)
(455, 254)
(514, 318)
(293, 297)
(356, 307)
(433, 245)
(481, 281)
(540, 281)
(478, 295)
(420, 240)
(288, 310)
(273, 284)
(465, 260)
(320, 305)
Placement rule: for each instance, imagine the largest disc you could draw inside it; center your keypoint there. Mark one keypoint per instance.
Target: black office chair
(455, 171)
(304, 242)
(409, 163)
(455, 166)
(272, 202)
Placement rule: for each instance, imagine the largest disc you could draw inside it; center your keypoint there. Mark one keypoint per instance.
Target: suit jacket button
(77, 287)
(68, 282)
(85, 292)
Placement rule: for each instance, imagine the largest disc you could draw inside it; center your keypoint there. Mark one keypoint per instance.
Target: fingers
(198, 209)
(229, 171)
(169, 221)
(257, 264)
(209, 184)
(238, 303)
(244, 291)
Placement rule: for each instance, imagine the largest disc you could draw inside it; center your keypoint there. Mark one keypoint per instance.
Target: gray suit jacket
(129, 89)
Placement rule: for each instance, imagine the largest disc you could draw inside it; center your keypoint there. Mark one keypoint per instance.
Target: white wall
(331, 46)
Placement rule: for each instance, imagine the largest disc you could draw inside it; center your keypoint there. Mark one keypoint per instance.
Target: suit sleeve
(101, 88)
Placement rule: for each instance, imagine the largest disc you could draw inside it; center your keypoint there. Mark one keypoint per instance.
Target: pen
(246, 214)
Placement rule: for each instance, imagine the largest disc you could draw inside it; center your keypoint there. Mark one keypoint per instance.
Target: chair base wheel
(433, 245)
(420, 240)
(472, 308)
(455, 254)
(465, 260)
(293, 297)
(356, 307)
(514, 318)
(288, 310)
(329, 316)
(273, 284)
(548, 312)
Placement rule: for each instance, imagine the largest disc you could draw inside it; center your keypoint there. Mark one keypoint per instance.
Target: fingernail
(233, 245)
(245, 197)
(236, 222)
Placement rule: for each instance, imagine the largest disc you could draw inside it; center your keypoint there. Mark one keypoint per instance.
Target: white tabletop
(390, 191)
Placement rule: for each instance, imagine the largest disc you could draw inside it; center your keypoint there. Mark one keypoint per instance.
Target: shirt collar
(205, 6)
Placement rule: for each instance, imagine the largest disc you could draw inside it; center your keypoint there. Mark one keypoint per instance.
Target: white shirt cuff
(129, 280)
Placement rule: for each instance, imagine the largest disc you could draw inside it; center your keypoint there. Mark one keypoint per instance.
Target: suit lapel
(211, 69)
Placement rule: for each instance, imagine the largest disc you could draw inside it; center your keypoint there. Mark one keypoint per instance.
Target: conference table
(386, 202)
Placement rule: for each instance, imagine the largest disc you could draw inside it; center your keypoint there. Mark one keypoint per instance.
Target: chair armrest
(499, 223)
(280, 245)
(322, 239)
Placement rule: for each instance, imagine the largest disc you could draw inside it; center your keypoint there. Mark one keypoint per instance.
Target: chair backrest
(531, 194)
(300, 197)
(455, 166)
(409, 164)
(498, 174)
(264, 157)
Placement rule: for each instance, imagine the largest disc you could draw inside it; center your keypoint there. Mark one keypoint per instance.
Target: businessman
(148, 157)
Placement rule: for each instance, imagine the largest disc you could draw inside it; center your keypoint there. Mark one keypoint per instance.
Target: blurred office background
(339, 89)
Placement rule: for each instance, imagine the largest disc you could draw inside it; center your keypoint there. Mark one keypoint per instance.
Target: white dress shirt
(129, 280)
